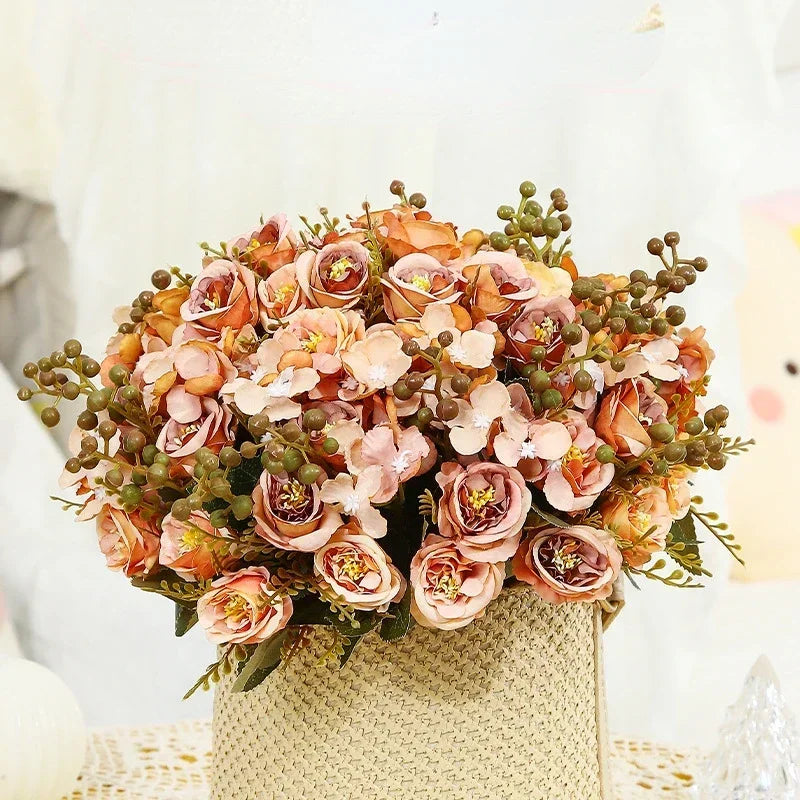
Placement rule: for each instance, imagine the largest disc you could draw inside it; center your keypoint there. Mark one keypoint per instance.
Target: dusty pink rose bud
(568, 564)
(335, 276)
(483, 508)
(223, 295)
(450, 590)
(414, 282)
(194, 422)
(243, 608)
(279, 294)
(194, 549)
(291, 516)
(354, 567)
(268, 249)
(539, 323)
(501, 283)
(128, 542)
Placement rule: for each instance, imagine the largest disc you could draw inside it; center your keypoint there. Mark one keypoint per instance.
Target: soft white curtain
(184, 121)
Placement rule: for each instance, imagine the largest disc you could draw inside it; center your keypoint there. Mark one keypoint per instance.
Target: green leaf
(348, 650)
(683, 546)
(397, 626)
(547, 516)
(243, 479)
(308, 609)
(185, 619)
(265, 658)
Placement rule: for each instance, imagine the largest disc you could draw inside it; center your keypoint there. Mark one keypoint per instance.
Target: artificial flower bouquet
(377, 423)
(343, 432)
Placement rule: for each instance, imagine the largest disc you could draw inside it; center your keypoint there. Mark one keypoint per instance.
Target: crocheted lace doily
(168, 762)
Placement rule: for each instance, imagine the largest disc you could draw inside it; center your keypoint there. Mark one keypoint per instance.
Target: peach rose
(279, 294)
(500, 284)
(449, 590)
(568, 564)
(483, 508)
(414, 282)
(575, 481)
(630, 516)
(678, 491)
(290, 515)
(357, 571)
(625, 414)
(194, 422)
(335, 276)
(539, 323)
(129, 543)
(268, 249)
(194, 549)
(165, 315)
(197, 365)
(243, 608)
(405, 232)
(223, 295)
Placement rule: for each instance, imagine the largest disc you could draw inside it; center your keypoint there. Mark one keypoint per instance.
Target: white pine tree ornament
(757, 757)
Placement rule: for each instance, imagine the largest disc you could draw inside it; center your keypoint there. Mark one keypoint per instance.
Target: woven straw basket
(512, 707)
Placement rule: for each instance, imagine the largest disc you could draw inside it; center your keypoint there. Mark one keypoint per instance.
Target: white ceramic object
(42, 733)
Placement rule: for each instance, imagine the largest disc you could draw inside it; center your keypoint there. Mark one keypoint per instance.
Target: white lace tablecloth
(168, 762)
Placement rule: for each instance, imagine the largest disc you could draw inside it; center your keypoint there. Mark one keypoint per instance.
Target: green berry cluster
(531, 229)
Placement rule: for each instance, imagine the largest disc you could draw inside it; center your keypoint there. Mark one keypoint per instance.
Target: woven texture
(171, 762)
(507, 707)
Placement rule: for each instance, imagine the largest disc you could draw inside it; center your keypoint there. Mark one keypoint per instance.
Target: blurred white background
(145, 128)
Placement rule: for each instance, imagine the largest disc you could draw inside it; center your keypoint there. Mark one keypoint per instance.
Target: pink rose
(414, 282)
(539, 323)
(243, 608)
(355, 569)
(500, 283)
(568, 564)
(223, 295)
(335, 276)
(290, 515)
(450, 590)
(128, 542)
(194, 422)
(483, 508)
(575, 481)
(194, 549)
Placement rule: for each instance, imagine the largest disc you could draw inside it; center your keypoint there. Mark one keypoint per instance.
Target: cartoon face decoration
(762, 493)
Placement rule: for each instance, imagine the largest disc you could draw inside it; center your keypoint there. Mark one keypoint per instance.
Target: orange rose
(166, 316)
(694, 353)
(270, 248)
(128, 542)
(625, 414)
(631, 516)
(405, 232)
